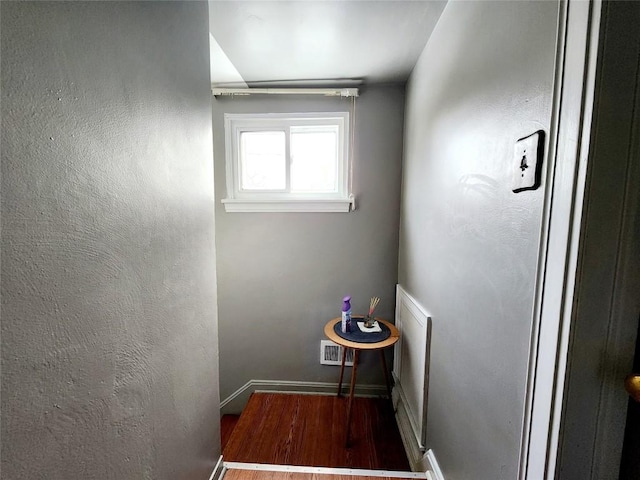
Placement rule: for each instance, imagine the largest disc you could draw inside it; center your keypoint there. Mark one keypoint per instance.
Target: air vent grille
(331, 354)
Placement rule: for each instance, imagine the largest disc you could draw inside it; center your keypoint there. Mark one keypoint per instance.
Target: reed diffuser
(369, 320)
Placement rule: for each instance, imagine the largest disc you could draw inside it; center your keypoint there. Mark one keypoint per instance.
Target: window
(287, 162)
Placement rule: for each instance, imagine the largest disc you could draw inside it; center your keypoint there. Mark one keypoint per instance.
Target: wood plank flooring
(260, 475)
(309, 430)
(227, 424)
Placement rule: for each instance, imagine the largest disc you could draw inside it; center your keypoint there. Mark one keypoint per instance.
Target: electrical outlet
(527, 162)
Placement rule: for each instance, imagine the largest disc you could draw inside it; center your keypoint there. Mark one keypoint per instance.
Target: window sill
(299, 205)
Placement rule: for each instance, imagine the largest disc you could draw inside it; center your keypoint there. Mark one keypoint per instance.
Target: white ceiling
(315, 43)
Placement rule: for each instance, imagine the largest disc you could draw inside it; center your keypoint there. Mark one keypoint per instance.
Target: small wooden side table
(357, 346)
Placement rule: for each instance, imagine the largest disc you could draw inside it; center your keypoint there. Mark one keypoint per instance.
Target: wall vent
(331, 354)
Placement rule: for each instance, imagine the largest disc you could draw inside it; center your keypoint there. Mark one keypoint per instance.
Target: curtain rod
(327, 92)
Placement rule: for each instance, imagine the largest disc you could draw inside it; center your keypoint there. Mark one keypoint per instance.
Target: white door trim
(578, 31)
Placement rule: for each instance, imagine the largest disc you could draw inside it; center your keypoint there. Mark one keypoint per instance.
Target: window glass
(288, 162)
(263, 162)
(314, 159)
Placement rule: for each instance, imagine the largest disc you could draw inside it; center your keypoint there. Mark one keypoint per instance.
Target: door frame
(559, 242)
(570, 150)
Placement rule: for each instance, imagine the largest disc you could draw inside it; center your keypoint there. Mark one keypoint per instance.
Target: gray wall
(468, 245)
(109, 338)
(282, 276)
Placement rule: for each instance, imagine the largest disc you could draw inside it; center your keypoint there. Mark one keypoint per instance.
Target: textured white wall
(468, 245)
(109, 335)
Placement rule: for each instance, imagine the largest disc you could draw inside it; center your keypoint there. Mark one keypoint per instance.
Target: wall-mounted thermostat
(527, 162)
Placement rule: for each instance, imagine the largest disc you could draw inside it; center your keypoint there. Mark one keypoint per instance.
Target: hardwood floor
(261, 475)
(289, 429)
(227, 424)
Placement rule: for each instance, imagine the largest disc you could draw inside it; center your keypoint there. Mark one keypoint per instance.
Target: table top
(387, 342)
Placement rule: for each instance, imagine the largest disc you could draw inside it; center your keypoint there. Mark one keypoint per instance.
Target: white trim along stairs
(222, 467)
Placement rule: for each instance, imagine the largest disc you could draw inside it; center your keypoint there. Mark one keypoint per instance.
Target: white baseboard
(235, 403)
(411, 446)
(419, 460)
(218, 470)
(431, 467)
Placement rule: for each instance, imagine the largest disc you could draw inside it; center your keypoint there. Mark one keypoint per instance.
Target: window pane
(314, 159)
(262, 161)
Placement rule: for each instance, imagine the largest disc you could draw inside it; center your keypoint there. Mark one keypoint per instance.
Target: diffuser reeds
(373, 304)
(368, 321)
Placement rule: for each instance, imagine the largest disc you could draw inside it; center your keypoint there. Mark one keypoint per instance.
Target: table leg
(386, 373)
(354, 370)
(344, 358)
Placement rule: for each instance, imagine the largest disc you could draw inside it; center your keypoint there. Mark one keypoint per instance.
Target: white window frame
(239, 200)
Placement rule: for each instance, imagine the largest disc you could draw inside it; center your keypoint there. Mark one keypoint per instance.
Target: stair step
(254, 471)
